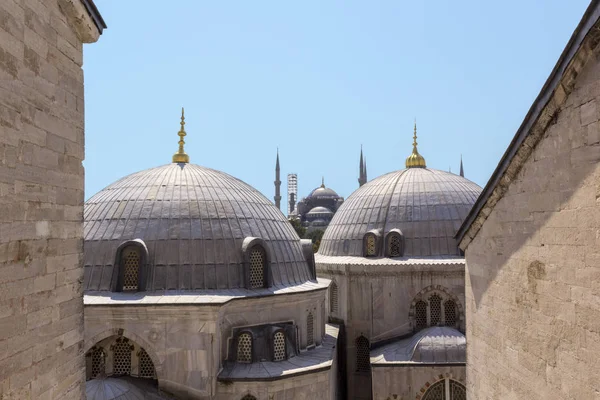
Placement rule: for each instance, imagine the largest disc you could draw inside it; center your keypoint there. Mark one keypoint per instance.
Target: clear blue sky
(316, 79)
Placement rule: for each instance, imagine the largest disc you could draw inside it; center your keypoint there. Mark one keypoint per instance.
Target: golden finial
(415, 160)
(180, 156)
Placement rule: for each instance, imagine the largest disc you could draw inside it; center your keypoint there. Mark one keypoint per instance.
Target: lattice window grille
(98, 360)
(421, 314)
(244, 348)
(310, 337)
(257, 268)
(363, 356)
(122, 357)
(131, 264)
(146, 366)
(457, 391)
(279, 346)
(395, 245)
(333, 300)
(435, 309)
(248, 397)
(437, 391)
(450, 313)
(370, 245)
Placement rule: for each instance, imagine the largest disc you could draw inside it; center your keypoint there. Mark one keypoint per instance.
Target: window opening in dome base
(279, 346)
(244, 348)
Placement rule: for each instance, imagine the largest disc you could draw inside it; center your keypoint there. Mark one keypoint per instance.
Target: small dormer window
(244, 348)
(370, 245)
(279, 346)
(394, 244)
(257, 267)
(130, 260)
(131, 268)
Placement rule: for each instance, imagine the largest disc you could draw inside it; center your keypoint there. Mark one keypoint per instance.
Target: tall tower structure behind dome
(292, 192)
(277, 182)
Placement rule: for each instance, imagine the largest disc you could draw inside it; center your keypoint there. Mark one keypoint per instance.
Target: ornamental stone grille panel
(370, 245)
(395, 246)
(310, 338)
(122, 357)
(457, 391)
(257, 268)
(146, 366)
(437, 391)
(97, 355)
(333, 299)
(279, 346)
(450, 313)
(131, 265)
(244, 348)
(435, 309)
(421, 315)
(363, 356)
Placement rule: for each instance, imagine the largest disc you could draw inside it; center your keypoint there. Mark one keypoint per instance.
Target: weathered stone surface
(532, 269)
(41, 199)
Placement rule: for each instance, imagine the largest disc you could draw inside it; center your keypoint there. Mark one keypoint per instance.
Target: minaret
(362, 177)
(415, 160)
(180, 156)
(277, 182)
(462, 171)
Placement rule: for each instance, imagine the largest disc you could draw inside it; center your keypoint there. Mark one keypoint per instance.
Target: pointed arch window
(279, 346)
(333, 298)
(244, 348)
(394, 244)
(130, 262)
(257, 266)
(146, 366)
(421, 315)
(310, 337)
(435, 309)
(98, 361)
(450, 313)
(446, 389)
(363, 354)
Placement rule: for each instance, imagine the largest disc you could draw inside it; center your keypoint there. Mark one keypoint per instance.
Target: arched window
(244, 348)
(258, 261)
(333, 298)
(395, 244)
(130, 263)
(122, 356)
(446, 389)
(363, 354)
(450, 313)
(248, 397)
(279, 346)
(370, 245)
(435, 309)
(421, 315)
(98, 361)
(146, 366)
(310, 338)
(435, 306)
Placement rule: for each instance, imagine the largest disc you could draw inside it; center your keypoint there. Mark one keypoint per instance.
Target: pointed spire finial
(415, 160)
(323, 182)
(180, 156)
(462, 171)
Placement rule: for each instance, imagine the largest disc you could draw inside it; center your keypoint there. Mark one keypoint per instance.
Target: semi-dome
(193, 222)
(426, 206)
(319, 211)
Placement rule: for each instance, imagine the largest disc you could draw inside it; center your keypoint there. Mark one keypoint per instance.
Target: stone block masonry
(41, 196)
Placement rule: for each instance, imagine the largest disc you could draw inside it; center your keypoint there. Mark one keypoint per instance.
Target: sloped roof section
(548, 103)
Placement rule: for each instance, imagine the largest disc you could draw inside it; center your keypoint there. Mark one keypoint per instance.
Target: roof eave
(94, 14)
(587, 23)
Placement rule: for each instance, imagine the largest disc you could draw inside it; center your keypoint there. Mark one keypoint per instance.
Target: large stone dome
(426, 205)
(193, 222)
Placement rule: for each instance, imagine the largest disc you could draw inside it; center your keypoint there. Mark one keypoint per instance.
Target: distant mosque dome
(323, 192)
(424, 206)
(320, 211)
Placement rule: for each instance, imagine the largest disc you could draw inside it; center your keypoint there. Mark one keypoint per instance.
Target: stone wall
(41, 197)
(410, 382)
(533, 270)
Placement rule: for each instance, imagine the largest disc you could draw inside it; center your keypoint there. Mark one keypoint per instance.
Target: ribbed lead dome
(193, 221)
(426, 205)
